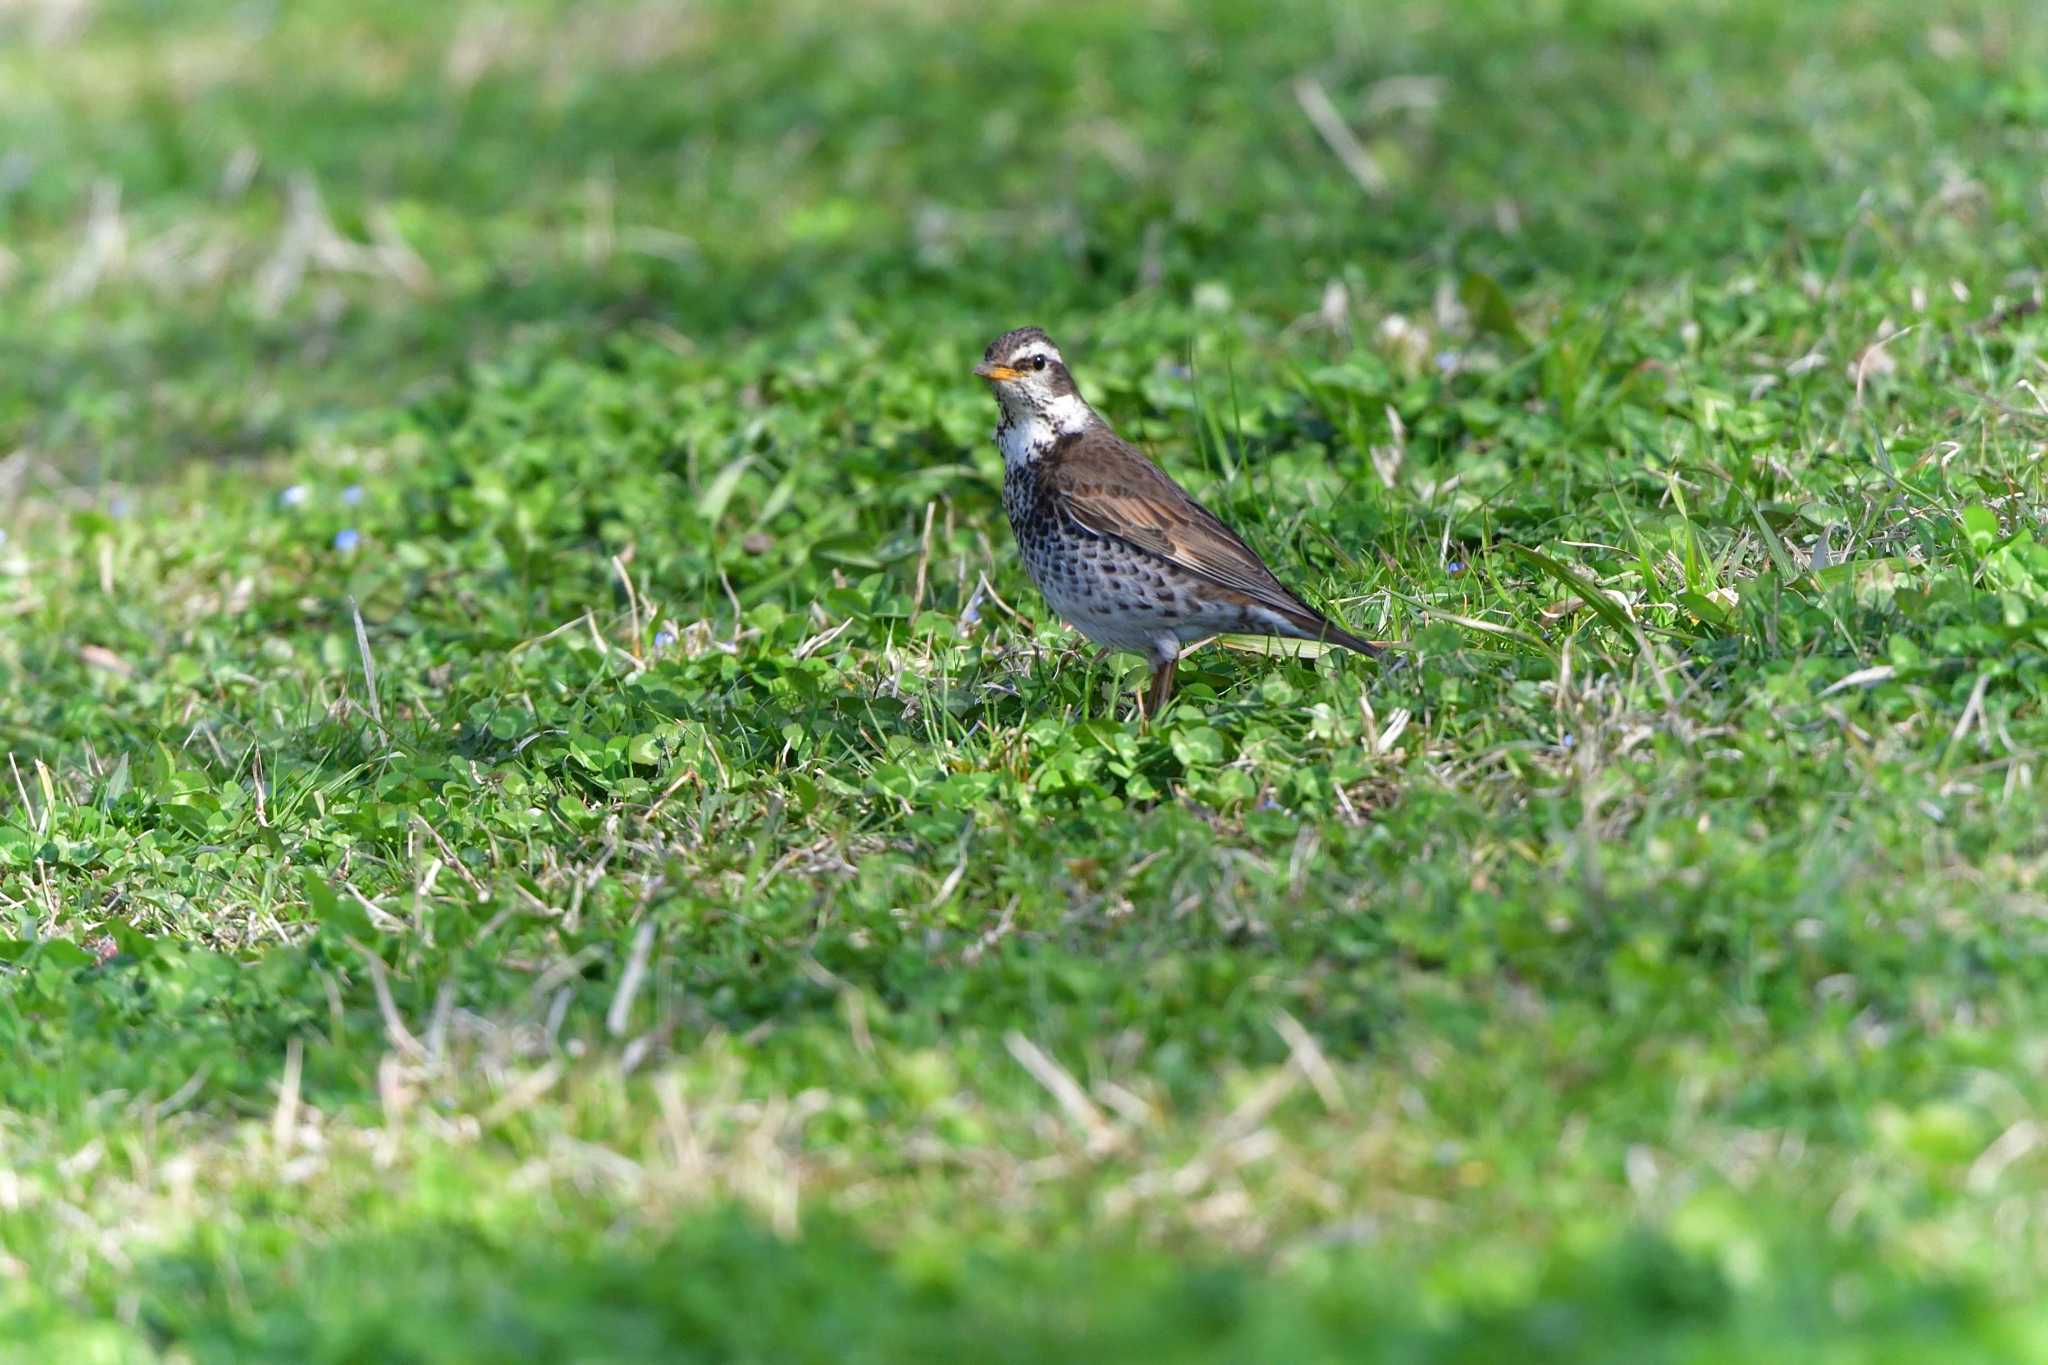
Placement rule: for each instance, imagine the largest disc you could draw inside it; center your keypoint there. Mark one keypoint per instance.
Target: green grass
(545, 821)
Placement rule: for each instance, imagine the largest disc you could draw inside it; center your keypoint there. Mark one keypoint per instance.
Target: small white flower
(295, 496)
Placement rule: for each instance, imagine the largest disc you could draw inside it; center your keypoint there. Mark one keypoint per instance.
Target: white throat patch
(1068, 414)
(1026, 435)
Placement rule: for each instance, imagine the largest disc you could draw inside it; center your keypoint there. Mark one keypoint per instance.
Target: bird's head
(1031, 380)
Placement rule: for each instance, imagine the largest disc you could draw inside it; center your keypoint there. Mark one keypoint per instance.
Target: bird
(1119, 550)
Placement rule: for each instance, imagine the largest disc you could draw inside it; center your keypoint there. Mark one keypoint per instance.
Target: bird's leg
(1162, 686)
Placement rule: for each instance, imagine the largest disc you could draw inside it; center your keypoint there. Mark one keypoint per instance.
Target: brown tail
(1313, 625)
(1333, 635)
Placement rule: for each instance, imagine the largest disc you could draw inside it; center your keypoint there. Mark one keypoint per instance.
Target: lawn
(544, 820)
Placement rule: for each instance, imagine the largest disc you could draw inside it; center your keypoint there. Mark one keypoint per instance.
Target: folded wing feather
(1113, 490)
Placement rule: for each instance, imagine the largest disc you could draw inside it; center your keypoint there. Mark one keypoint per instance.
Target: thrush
(1119, 549)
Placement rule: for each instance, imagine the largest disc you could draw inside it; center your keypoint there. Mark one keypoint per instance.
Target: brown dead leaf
(97, 656)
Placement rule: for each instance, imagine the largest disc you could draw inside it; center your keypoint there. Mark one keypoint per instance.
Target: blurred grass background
(234, 220)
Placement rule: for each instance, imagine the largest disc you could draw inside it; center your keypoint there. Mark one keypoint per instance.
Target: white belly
(1122, 611)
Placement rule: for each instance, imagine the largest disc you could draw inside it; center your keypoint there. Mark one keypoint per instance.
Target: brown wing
(1113, 490)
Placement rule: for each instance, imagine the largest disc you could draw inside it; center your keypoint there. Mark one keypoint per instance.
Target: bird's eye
(1038, 362)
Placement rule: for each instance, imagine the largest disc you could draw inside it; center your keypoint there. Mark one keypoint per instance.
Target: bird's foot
(1153, 702)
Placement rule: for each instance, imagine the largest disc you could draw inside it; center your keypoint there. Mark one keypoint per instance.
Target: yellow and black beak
(1001, 374)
